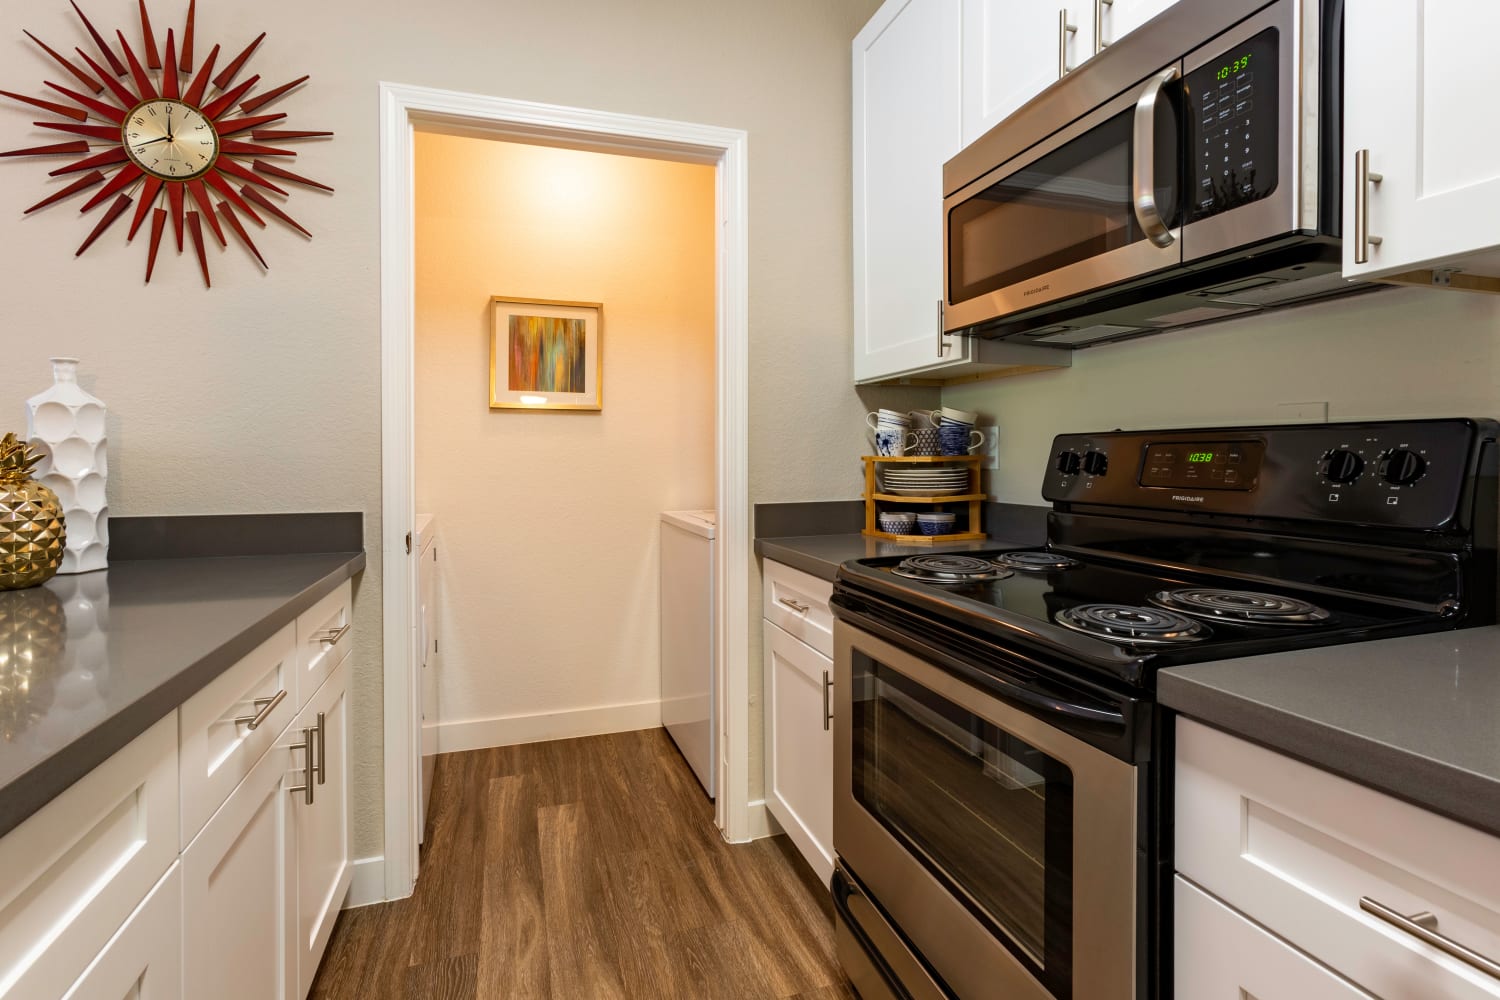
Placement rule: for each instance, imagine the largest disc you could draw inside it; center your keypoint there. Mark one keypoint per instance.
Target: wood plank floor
(587, 869)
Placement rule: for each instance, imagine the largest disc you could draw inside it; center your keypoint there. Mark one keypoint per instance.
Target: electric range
(1003, 799)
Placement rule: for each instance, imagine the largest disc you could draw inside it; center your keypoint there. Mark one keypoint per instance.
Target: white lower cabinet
(321, 829)
(239, 888)
(143, 961)
(1219, 955)
(1310, 857)
(799, 739)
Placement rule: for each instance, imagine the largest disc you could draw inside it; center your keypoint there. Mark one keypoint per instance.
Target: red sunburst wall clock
(180, 142)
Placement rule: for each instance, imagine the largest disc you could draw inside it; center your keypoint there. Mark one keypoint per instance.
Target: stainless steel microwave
(1189, 173)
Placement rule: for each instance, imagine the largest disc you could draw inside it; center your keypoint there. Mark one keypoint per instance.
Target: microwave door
(1097, 203)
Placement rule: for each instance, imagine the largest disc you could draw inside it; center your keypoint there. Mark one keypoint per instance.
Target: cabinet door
(799, 761)
(1119, 18)
(906, 124)
(1011, 54)
(238, 879)
(143, 961)
(321, 829)
(1415, 74)
(1219, 955)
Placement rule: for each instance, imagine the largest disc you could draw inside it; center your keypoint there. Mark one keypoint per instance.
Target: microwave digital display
(1233, 116)
(1203, 465)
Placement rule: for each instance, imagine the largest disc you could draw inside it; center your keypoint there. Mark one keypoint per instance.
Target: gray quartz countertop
(820, 555)
(89, 662)
(1417, 717)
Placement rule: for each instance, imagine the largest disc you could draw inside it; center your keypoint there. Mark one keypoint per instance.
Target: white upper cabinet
(1417, 77)
(1118, 18)
(906, 101)
(908, 96)
(1014, 49)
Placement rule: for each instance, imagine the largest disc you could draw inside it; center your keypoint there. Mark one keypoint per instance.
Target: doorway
(407, 111)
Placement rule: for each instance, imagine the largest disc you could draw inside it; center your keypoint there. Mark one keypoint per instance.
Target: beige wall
(1389, 354)
(550, 559)
(263, 394)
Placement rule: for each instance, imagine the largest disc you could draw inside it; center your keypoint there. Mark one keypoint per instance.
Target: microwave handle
(1144, 179)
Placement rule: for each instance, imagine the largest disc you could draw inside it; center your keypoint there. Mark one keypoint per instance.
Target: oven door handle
(1052, 705)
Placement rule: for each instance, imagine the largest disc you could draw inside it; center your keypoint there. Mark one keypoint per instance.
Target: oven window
(1071, 205)
(989, 815)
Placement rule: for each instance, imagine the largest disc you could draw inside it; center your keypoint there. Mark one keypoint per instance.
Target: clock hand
(152, 142)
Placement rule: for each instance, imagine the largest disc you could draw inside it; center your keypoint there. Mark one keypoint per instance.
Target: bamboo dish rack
(874, 498)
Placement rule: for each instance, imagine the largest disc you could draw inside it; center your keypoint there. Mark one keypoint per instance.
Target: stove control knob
(1096, 463)
(1342, 466)
(1402, 467)
(1068, 463)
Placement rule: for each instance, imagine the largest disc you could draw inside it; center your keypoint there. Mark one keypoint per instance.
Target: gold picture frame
(546, 354)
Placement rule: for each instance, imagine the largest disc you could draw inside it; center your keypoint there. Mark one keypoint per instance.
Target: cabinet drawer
(1296, 849)
(218, 748)
(1219, 955)
(143, 961)
(73, 872)
(797, 602)
(323, 640)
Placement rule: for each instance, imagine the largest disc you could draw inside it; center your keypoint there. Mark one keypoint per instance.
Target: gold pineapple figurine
(32, 536)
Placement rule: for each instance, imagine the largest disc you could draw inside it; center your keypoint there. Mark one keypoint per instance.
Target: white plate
(914, 491)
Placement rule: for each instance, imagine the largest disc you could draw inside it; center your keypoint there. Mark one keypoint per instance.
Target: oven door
(1000, 847)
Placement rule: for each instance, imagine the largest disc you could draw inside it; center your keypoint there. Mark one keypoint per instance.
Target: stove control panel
(1406, 474)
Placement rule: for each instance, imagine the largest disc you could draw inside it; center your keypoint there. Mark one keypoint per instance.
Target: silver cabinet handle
(308, 784)
(942, 336)
(1363, 178)
(1423, 926)
(801, 609)
(827, 708)
(1147, 212)
(333, 635)
(322, 766)
(1099, 43)
(263, 709)
(1064, 29)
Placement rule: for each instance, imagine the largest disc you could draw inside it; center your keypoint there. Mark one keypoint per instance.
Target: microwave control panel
(1232, 120)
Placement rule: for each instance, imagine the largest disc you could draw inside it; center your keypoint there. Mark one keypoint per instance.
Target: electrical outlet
(1312, 412)
(990, 448)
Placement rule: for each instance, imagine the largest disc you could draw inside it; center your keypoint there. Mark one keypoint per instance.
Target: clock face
(171, 140)
(186, 149)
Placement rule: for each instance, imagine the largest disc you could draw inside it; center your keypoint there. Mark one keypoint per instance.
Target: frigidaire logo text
(1033, 291)
(1179, 496)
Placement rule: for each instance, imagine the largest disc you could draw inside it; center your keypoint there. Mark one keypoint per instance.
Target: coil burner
(950, 569)
(1126, 623)
(1240, 607)
(1036, 561)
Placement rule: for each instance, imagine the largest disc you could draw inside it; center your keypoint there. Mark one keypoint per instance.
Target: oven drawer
(1219, 955)
(797, 602)
(1298, 849)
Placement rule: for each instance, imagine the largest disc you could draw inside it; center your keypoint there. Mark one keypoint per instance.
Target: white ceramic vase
(66, 425)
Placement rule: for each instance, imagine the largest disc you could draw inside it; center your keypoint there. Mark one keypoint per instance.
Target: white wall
(1388, 354)
(549, 566)
(263, 394)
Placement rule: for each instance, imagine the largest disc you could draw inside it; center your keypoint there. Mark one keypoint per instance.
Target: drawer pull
(310, 771)
(333, 635)
(1423, 926)
(801, 609)
(264, 707)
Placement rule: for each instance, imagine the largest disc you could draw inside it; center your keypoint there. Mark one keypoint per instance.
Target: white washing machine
(688, 647)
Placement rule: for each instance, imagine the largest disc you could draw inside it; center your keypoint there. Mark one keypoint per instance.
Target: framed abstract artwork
(545, 355)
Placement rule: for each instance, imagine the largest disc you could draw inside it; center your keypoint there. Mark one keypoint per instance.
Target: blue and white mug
(891, 442)
(959, 439)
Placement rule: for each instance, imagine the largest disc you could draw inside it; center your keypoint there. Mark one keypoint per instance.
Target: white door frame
(402, 110)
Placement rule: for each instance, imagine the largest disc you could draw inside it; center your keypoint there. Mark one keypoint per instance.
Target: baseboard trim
(480, 734)
(760, 822)
(367, 882)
